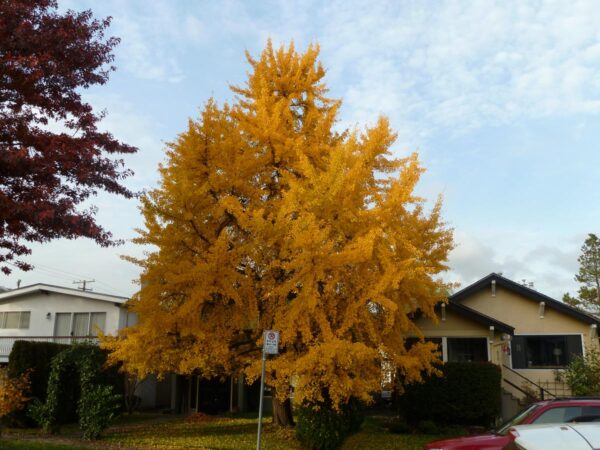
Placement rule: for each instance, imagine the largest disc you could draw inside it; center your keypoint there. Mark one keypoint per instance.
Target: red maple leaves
(46, 58)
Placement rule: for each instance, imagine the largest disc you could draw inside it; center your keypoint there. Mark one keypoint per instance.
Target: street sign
(270, 347)
(271, 342)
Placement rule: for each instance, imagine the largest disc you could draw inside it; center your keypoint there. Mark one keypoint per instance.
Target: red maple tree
(46, 59)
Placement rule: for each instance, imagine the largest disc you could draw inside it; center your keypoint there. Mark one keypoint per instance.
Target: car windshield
(516, 420)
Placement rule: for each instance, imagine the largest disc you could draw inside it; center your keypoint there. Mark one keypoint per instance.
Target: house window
(545, 352)
(409, 342)
(15, 319)
(62, 324)
(467, 349)
(79, 324)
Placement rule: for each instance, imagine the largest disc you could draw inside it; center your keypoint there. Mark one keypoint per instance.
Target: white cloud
(518, 256)
(449, 65)
(454, 65)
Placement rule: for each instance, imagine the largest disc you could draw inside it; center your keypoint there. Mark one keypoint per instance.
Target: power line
(65, 275)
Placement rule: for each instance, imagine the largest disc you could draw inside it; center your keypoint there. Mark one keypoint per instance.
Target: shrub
(353, 413)
(12, 393)
(97, 404)
(36, 357)
(97, 407)
(33, 358)
(582, 375)
(465, 394)
(320, 427)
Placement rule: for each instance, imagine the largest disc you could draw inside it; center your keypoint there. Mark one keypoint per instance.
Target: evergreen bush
(34, 358)
(320, 427)
(466, 394)
(97, 404)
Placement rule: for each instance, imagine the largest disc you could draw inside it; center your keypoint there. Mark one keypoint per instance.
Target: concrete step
(510, 405)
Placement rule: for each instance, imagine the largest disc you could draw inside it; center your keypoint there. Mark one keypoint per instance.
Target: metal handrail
(523, 391)
(542, 390)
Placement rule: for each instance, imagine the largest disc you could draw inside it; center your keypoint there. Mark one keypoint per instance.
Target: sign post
(270, 347)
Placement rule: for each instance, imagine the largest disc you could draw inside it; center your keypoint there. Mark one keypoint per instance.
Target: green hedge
(34, 356)
(38, 356)
(326, 429)
(98, 402)
(466, 394)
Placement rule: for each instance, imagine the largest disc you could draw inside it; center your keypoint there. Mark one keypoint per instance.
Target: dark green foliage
(582, 375)
(588, 298)
(36, 356)
(325, 428)
(322, 429)
(354, 414)
(97, 407)
(466, 394)
(97, 404)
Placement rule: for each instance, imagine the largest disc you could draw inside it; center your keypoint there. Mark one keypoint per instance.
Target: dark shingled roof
(525, 292)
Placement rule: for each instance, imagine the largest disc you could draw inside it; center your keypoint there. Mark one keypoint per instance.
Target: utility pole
(83, 284)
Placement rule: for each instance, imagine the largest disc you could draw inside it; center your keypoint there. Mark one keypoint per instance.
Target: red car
(552, 411)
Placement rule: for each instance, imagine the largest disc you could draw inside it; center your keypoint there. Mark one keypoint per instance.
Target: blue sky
(500, 99)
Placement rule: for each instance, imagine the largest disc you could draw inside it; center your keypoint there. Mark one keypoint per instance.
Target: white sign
(271, 342)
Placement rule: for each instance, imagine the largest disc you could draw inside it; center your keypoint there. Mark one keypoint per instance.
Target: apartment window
(467, 349)
(79, 324)
(15, 319)
(545, 351)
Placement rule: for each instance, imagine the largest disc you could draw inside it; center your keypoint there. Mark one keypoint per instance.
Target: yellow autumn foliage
(12, 392)
(268, 217)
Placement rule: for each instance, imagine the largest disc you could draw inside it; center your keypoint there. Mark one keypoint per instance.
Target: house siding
(524, 314)
(42, 303)
(454, 326)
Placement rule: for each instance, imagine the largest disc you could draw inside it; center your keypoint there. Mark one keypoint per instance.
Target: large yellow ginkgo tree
(267, 216)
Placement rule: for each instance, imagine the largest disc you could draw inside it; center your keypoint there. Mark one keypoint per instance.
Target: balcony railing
(6, 342)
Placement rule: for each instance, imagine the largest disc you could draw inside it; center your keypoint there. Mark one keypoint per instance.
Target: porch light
(49, 315)
(542, 309)
(492, 331)
(493, 288)
(593, 331)
(443, 312)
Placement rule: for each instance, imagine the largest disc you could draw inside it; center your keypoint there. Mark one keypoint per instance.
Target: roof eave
(526, 292)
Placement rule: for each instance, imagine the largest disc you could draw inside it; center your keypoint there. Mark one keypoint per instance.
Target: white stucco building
(47, 313)
(43, 312)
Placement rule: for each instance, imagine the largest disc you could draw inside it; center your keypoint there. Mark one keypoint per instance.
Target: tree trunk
(282, 412)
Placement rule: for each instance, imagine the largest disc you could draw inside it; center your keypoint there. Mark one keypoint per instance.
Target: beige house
(528, 334)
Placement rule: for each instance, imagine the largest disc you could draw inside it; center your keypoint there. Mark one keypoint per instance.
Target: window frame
(512, 351)
(444, 344)
(89, 323)
(446, 348)
(4, 319)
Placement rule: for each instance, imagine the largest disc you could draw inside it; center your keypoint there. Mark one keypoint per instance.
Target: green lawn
(219, 433)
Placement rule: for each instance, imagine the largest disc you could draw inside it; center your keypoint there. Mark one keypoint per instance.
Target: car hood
(559, 436)
(487, 440)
